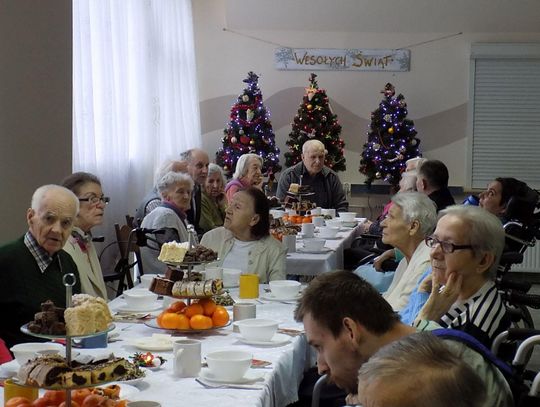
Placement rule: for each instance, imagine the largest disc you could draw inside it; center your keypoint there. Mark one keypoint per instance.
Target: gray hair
(313, 145)
(407, 183)
(172, 178)
(214, 168)
(418, 161)
(426, 370)
(166, 166)
(417, 206)
(242, 164)
(40, 193)
(486, 233)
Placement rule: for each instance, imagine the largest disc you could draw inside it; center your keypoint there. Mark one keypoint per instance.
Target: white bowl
(229, 365)
(347, 216)
(261, 330)
(334, 223)
(231, 277)
(286, 288)
(140, 298)
(315, 245)
(23, 352)
(328, 232)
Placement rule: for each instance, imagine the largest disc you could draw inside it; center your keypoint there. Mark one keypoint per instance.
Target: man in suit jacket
(197, 166)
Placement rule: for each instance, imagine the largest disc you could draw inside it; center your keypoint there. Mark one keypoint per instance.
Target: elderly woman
(248, 173)
(213, 199)
(175, 190)
(410, 219)
(87, 188)
(244, 242)
(465, 251)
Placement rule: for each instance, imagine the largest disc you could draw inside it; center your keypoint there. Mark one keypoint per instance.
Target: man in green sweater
(32, 267)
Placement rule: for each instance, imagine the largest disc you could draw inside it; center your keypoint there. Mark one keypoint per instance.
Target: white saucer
(251, 376)
(127, 391)
(277, 340)
(329, 238)
(153, 344)
(131, 382)
(127, 308)
(272, 297)
(351, 224)
(323, 251)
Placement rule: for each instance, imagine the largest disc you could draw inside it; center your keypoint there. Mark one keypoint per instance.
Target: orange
(73, 404)
(160, 318)
(56, 396)
(79, 395)
(220, 317)
(194, 309)
(209, 306)
(200, 322)
(172, 320)
(177, 306)
(18, 401)
(307, 219)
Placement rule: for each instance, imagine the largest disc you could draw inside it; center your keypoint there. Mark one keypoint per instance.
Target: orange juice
(249, 286)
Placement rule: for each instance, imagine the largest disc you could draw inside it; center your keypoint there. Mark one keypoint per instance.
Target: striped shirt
(485, 310)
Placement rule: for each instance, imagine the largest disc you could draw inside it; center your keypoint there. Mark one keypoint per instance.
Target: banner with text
(330, 59)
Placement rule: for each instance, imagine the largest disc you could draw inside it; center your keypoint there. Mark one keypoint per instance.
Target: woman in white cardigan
(87, 187)
(411, 218)
(175, 189)
(244, 242)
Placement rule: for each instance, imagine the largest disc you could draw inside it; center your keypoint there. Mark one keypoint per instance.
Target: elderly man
(248, 173)
(197, 166)
(32, 267)
(419, 370)
(432, 180)
(460, 292)
(347, 321)
(324, 182)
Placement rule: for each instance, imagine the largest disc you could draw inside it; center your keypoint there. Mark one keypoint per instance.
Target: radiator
(531, 260)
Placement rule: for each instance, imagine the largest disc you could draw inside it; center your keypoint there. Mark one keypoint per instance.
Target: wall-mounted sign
(329, 59)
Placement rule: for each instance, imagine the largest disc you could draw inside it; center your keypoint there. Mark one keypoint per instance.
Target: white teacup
(318, 221)
(316, 211)
(308, 230)
(347, 216)
(336, 223)
(315, 245)
(230, 364)
(330, 212)
(328, 232)
(146, 280)
(231, 277)
(213, 273)
(187, 357)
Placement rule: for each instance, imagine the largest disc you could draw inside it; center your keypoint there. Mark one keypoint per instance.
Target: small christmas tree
(391, 140)
(249, 131)
(315, 120)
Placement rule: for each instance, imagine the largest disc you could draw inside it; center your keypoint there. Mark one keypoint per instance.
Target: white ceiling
(385, 16)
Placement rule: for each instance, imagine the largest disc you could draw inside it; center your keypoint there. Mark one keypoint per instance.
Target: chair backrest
(122, 237)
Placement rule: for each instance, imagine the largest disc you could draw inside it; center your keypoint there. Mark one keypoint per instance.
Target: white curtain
(135, 99)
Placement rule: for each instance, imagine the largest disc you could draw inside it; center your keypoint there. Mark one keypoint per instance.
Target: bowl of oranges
(201, 315)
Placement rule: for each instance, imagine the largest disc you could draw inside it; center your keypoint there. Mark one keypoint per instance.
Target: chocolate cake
(161, 286)
(174, 274)
(50, 321)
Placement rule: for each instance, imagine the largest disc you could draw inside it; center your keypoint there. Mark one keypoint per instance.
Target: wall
(35, 103)
(436, 88)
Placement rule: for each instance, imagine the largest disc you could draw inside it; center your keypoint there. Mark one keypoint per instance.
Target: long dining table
(278, 383)
(312, 264)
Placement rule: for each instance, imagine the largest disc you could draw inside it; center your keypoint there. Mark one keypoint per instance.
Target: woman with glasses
(87, 188)
(460, 292)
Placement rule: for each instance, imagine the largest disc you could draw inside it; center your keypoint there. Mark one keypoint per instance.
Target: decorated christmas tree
(249, 131)
(315, 120)
(391, 140)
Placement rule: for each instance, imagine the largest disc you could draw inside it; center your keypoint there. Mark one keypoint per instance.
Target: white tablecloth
(308, 264)
(281, 379)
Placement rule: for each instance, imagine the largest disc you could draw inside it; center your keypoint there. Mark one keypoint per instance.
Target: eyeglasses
(446, 247)
(94, 200)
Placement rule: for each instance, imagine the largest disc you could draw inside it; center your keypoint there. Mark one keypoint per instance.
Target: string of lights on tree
(315, 120)
(249, 131)
(391, 140)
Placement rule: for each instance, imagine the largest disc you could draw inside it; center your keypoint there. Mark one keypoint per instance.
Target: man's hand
(440, 300)
(364, 227)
